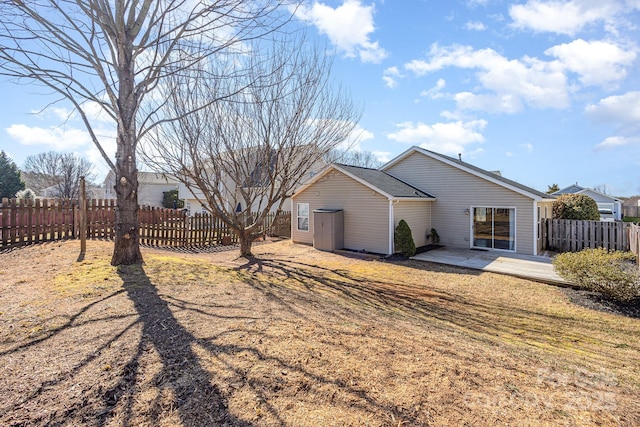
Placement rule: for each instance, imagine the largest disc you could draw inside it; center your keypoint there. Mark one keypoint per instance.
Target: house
(467, 206)
(151, 187)
(631, 207)
(256, 184)
(610, 207)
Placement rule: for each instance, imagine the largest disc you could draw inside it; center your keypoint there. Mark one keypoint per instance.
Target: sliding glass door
(494, 228)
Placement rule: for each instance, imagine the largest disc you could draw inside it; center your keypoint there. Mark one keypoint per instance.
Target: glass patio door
(494, 228)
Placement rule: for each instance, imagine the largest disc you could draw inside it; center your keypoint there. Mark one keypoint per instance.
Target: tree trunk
(246, 239)
(126, 249)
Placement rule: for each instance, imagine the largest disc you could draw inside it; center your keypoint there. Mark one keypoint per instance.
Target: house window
(303, 216)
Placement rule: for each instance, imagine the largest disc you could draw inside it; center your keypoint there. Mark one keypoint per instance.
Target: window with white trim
(303, 216)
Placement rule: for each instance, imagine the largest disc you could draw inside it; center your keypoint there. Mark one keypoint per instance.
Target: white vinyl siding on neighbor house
(366, 212)
(457, 192)
(418, 217)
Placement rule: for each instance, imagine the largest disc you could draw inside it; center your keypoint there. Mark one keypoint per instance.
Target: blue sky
(543, 91)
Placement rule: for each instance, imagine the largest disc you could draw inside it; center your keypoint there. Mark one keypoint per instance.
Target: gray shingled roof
(385, 182)
(493, 175)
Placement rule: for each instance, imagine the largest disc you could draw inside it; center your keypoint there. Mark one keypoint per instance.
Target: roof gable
(473, 170)
(381, 182)
(595, 194)
(572, 189)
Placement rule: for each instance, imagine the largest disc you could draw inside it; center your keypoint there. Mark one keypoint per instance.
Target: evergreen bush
(403, 240)
(575, 206)
(170, 200)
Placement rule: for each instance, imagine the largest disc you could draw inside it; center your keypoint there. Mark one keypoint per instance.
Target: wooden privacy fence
(634, 241)
(33, 221)
(568, 235)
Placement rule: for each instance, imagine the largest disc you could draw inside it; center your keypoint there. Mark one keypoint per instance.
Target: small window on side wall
(303, 216)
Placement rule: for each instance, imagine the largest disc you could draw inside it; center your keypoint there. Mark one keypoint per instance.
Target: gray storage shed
(328, 231)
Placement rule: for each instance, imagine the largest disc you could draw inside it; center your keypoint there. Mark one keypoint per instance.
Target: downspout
(391, 227)
(536, 236)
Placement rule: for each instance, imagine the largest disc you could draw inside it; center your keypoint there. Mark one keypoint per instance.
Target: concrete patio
(538, 268)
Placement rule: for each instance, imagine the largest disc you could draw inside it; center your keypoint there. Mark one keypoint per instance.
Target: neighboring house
(631, 207)
(194, 198)
(151, 187)
(468, 207)
(610, 207)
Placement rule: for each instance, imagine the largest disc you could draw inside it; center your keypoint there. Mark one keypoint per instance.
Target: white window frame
(299, 217)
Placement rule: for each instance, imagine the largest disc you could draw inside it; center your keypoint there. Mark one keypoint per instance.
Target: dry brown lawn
(297, 337)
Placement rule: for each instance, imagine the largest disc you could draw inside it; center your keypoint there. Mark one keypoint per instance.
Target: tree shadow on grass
(194, 397)
(483, 320)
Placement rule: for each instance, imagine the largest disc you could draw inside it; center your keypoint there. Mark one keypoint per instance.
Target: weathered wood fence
(634, 241)
(567, 235)
(33, 221)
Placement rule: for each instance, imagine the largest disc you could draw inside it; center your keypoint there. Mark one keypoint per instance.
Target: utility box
(328, 229)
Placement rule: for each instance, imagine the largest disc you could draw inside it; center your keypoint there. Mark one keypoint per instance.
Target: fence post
(83, 219)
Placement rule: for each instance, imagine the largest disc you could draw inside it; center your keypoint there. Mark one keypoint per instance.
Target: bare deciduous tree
(115, 54)
(247, 153)
(365, 159)
(58, 172)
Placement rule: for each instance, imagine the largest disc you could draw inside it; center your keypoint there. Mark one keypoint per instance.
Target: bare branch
(250, 141)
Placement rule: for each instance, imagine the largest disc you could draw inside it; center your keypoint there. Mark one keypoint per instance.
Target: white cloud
(448, 138)
(617, 141)
(435, 92)
(563, 17)
(623, 110)
(67, 139)
(57, 138)
(475, 26)
(597, 62)
(503, 103)
(348, 27)
(357, 136)
(391, 76)
(511, 82)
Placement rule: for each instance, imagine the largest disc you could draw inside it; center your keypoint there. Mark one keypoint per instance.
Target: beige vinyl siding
(418, 216)
(366, 212)
(456, 191)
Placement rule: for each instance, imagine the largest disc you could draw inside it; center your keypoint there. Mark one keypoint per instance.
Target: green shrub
(635, 219)
(403, 240)
(575, 206)
(170, 200)
(612, 274)
(435, 237)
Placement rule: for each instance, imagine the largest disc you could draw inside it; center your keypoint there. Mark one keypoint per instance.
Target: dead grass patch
(302, 338)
